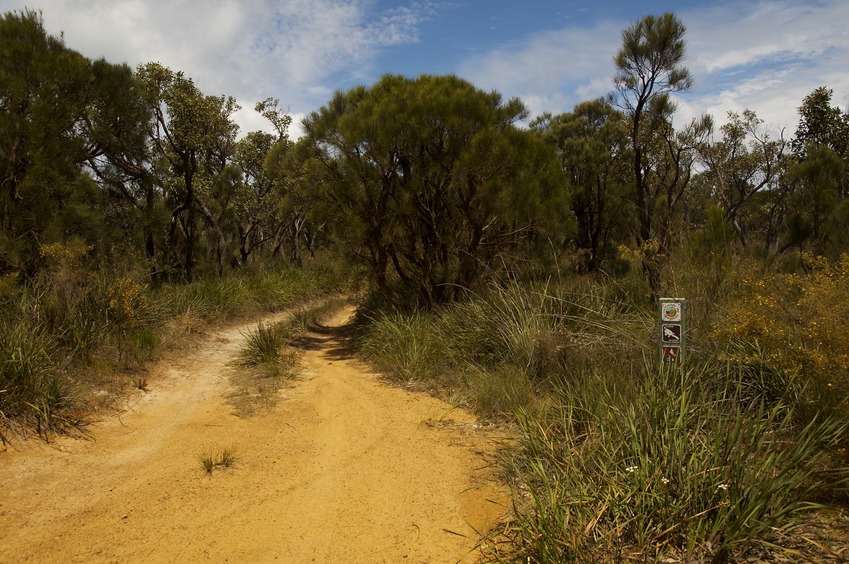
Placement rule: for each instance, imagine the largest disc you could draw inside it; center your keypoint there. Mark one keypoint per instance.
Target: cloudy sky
(764, 55)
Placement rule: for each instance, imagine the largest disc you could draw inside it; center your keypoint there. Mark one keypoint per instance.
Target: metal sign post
(672, 343)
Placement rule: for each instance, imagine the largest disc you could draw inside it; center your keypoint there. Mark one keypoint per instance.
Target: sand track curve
(343, 469)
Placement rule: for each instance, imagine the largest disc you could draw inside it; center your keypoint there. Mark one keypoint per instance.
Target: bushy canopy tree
(592, 145)
(429, 181)
(818, 181)
(744, 162)
(819, 214)
(58, 113)
(121, 157)
(820, 123)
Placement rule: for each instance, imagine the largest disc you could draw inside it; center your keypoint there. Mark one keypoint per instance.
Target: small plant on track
(223, 458)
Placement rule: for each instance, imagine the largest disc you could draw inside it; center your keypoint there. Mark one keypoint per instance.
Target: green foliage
(592, 144)
(818, 202)
(405, 346)
(430, 184)
(47, 99)
(676, 464)
(502, 347)
(263, 345)
(821, 124)
(30, 386)
(252, 290)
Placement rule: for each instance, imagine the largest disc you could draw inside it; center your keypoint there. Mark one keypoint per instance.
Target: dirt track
(343, 469)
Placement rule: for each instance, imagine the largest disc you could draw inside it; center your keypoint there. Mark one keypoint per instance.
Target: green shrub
(684, 464)
(263, 344)
(31, 390)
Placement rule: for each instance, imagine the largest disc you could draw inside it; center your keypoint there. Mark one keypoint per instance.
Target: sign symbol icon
(670, 354)
(671, 334)
(672, 340)
(672, 312)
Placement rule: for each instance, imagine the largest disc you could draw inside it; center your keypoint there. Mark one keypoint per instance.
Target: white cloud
(293, 50)
(550, 68)
(765, 56)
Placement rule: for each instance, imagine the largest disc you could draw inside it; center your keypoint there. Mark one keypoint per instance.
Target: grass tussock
(685, 465)
(269, 357)
(217, 458)
(263, 345)
(503, 347)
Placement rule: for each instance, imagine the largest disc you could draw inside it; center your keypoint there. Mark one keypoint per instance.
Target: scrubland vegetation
(619, 457)
(74, 342)
(515, 270)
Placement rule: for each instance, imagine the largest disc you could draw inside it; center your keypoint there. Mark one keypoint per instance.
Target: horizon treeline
(427, 183)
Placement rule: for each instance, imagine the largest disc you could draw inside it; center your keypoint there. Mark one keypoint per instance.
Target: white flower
(722, 487)
(664, 480)
(630, 469)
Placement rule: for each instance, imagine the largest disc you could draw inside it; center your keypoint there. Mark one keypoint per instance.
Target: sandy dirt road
(342, 469)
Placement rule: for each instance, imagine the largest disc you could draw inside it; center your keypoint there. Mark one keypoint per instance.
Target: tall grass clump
(269, 356)
(406, 347)
(31, 390)
(680, 464)
(262, 345)
(266, 347)
(500, 349)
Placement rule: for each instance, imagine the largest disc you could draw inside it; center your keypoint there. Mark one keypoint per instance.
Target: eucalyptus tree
(592, 145)
(257, 203)
(746, 161)
(284, 167)
(195, 135)
(649, 68)
(431, 184)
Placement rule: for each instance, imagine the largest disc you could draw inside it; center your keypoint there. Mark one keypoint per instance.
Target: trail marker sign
(671, 343)
(670, 333)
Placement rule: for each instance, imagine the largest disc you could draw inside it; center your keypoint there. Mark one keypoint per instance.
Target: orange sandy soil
(342, 468)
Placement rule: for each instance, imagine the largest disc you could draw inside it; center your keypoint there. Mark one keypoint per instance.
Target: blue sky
(764, 55)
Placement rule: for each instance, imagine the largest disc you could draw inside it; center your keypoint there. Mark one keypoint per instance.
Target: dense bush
(793, 327)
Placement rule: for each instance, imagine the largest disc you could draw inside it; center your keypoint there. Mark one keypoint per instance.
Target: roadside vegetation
(515, 270)
(75, 341)
(619, 457)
